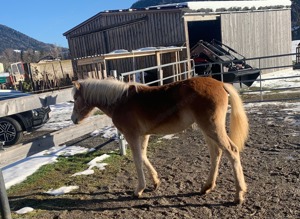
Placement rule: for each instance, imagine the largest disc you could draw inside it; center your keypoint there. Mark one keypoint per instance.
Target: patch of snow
(62, 190)
(279, 83)
(107, 132)
(95, 133)
(20, 170)
(72, 150)
(215, 6)
(295, 107)
(85, 172)
(24, 210)
(119, 51)
(292, 109)
(96, 162)
(60, 117)
(169, 137)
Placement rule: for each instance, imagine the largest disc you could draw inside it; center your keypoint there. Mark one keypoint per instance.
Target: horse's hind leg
(231, 150)
(152, 171)
(234, 156)
(215, 158)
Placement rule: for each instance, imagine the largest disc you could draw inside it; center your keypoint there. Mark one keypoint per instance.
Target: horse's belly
(171, 125)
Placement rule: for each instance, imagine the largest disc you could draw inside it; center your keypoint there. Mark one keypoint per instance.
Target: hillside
(12, 39)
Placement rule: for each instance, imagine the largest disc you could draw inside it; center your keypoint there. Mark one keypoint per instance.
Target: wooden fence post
(4, 204)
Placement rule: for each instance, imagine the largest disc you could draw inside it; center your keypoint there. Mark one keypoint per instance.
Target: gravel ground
(271, 167)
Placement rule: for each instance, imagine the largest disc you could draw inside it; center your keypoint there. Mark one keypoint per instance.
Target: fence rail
(178, 74)
(262, 90)
(21, 104)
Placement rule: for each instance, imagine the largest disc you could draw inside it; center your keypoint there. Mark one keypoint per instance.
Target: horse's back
(169, 108)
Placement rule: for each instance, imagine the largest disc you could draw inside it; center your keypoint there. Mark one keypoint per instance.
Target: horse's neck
(110, 104)
(107, 110)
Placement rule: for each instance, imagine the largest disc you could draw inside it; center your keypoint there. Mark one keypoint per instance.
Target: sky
(46, 21)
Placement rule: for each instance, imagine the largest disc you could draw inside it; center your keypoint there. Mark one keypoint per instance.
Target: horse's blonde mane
(104, 92)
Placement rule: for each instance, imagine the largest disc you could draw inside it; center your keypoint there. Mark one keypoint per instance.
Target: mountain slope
(12, 39)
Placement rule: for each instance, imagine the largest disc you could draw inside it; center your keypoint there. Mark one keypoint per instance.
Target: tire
(10, 131)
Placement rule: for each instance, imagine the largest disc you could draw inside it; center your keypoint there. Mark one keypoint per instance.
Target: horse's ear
(76, 84)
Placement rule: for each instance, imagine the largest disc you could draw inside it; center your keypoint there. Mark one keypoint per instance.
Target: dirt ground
(271, 166)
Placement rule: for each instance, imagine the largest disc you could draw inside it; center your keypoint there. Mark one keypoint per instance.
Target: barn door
(206, 30)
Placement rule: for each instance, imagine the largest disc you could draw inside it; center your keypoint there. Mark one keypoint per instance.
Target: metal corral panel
(262, 33)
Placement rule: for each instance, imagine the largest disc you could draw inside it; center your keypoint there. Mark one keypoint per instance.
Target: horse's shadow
(112, 201)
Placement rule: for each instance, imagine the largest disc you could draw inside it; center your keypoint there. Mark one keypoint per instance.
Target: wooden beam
(132, 54)
(199, 17)
(89, 60)
(21, 104)
(21, 151)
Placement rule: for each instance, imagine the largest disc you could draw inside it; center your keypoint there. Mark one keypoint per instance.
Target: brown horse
(138, 110)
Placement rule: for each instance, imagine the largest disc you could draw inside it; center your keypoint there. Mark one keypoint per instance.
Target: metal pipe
(260, 81)
(120, 136)
(114, 73)
(122, 143)
(222, 71)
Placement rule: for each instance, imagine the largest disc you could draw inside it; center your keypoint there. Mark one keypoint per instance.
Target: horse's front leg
(135, 143)
(151, 170)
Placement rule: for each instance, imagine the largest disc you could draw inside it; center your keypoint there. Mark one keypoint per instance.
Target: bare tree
(9, 56)
(56, 52)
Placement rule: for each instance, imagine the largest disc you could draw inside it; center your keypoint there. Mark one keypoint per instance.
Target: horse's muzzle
(74, 120)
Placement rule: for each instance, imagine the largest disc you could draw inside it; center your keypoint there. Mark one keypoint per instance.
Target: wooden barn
(252, 28)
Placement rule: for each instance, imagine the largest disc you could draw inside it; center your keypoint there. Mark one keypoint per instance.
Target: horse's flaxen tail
(239, 126)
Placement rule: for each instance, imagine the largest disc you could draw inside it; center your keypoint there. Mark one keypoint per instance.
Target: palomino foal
(138, 110)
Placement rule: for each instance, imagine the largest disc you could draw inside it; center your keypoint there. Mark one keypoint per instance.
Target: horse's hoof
(206, 189)
(138, 194)
(156, 185)
(240, 199)
(204, 192)
(135, 196)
